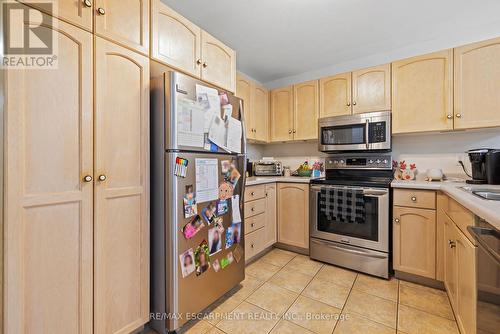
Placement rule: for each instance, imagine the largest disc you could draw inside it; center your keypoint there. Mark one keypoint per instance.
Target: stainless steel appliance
(493, 167)
(268, 168)
(174, 297)
(360, 245)
(359, 132)
(478, 163)
(487, 276)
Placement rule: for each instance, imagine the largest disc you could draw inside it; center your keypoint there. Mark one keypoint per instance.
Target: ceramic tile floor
(284, 292)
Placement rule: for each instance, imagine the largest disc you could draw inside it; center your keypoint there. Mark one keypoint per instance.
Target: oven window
(367, 230)
(343, 135)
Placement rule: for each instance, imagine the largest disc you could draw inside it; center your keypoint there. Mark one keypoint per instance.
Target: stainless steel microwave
(359, 132)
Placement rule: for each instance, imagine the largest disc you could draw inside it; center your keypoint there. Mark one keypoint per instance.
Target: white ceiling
(285, 41)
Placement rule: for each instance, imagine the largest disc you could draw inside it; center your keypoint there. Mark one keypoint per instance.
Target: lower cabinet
(270, 227)
(293, 214)
(414, 233)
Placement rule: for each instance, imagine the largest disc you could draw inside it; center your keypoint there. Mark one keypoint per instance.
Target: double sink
(484, 193)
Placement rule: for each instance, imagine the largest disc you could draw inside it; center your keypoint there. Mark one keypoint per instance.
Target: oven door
(373, 233)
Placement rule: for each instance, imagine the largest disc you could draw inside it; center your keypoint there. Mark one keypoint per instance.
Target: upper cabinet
(335, 95)
(422, 93)
(125, 22)
(282, 114)
(477, 83)
(179, 43)
(175, 40)
(306, 110)
(371, 89)
(255, 107)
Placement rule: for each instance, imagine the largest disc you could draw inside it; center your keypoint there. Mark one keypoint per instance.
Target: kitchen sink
(489, 194)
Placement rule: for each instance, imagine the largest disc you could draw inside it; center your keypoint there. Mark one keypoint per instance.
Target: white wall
(430, 150)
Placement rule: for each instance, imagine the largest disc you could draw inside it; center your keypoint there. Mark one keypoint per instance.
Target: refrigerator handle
(243, 184)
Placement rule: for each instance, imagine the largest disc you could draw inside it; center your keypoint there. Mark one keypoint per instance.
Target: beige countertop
(254, 180)
(486, 209)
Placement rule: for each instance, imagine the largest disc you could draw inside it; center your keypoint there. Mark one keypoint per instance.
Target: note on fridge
(207, 176)
(190, 123)
(234, 133)
(210, 101)
(235, 208)
(217, 132)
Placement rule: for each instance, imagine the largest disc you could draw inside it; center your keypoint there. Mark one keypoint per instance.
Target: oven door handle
(366, 191)
(349, 250)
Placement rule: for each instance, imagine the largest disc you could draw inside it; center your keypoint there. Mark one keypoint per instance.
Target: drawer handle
(252, 224)
(252, 209)
(397, 220)
(251, 245)
(414, 198)
(252, 193)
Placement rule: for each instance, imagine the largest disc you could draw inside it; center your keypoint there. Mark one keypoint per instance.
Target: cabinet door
(477, 83)
(219, 62)
(125, 22)
(306, 110)
(293, 214)
(270, 225)
(335, 95)
(282, 114)
(414, 233)
(422, 93)
(121, 239)
(450, 262)
(466, 283)
(441, 204)
(260, 119)
(244, 92)
(175, 41)
(371, 89)
(48, 205)
(77, 12)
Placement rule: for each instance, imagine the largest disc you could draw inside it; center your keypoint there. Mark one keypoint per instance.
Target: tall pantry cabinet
(76, 201)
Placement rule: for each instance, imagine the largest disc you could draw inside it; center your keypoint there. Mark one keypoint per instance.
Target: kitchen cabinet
(218, 62)
(466, 284)
(414, 239)
(175, 40)
(422, 93)
(293, 214)
(371, 89)
(256, 108)
(48, 201)
(282, 114)
(476, 85)
(77, 12)
(125, 22)
(450, 262)
(270, 226)
(306, 110)
(335, 95)
(121, 243)
(441, 203)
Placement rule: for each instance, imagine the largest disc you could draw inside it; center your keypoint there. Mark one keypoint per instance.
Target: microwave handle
(367, 134)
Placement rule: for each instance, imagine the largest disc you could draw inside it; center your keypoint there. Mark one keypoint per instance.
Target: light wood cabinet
(293, 214)
(422, 93)
(441, 203)
(219, 62)
(244, 92)
(335, 95)
(125, 22)
(476, 85)
(121, 243)
(175, 40)
(450, 262)
(270, 226)
(306, 110)
(256, 108)
(77, 12)
(48, 206)
(282, 114)
(414, 239)
(371, 89)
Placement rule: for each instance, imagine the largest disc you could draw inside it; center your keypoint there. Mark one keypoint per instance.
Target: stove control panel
(356, 161)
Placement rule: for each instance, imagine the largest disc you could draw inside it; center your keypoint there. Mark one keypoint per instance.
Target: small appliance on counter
(250, 168)
(493, 167)
(268, 167)
(485, 164)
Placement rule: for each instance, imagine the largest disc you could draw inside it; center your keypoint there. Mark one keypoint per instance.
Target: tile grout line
(345, 302)
(397, 308)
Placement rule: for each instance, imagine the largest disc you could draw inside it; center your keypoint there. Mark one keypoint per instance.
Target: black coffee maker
(493, 167)
(477, 159)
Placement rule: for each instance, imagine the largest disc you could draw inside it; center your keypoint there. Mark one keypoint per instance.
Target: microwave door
(340, 137)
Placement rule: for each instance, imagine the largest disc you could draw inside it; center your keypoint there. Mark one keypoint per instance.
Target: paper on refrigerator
(210, 101)
(217, 132)
(234, 133)
(190, 123)
(207, 176)
(235, 208)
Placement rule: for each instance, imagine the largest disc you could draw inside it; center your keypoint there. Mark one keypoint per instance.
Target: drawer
(255, 222)
(255, 192)
(254, 208)
(424, 199)
(254, 243)
(460, 216)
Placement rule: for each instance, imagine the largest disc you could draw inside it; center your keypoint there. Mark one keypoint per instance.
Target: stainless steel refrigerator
(174, 298)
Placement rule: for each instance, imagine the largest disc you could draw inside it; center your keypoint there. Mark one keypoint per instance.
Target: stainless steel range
(349, 212)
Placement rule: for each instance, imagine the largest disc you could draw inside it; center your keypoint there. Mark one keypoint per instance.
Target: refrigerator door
(179, 86)
(193, 293)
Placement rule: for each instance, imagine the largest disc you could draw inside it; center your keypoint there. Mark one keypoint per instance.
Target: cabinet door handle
(452, 243)
(397, 220)
(354, 103)
(294, 131)
(198, 62)
(101, 11)
(449, 116)
(87, 178)
(289, 132)
(205, 65)
(348, 104)
(102, 177)
(413, 198)
(458, 115)
(87, 3)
